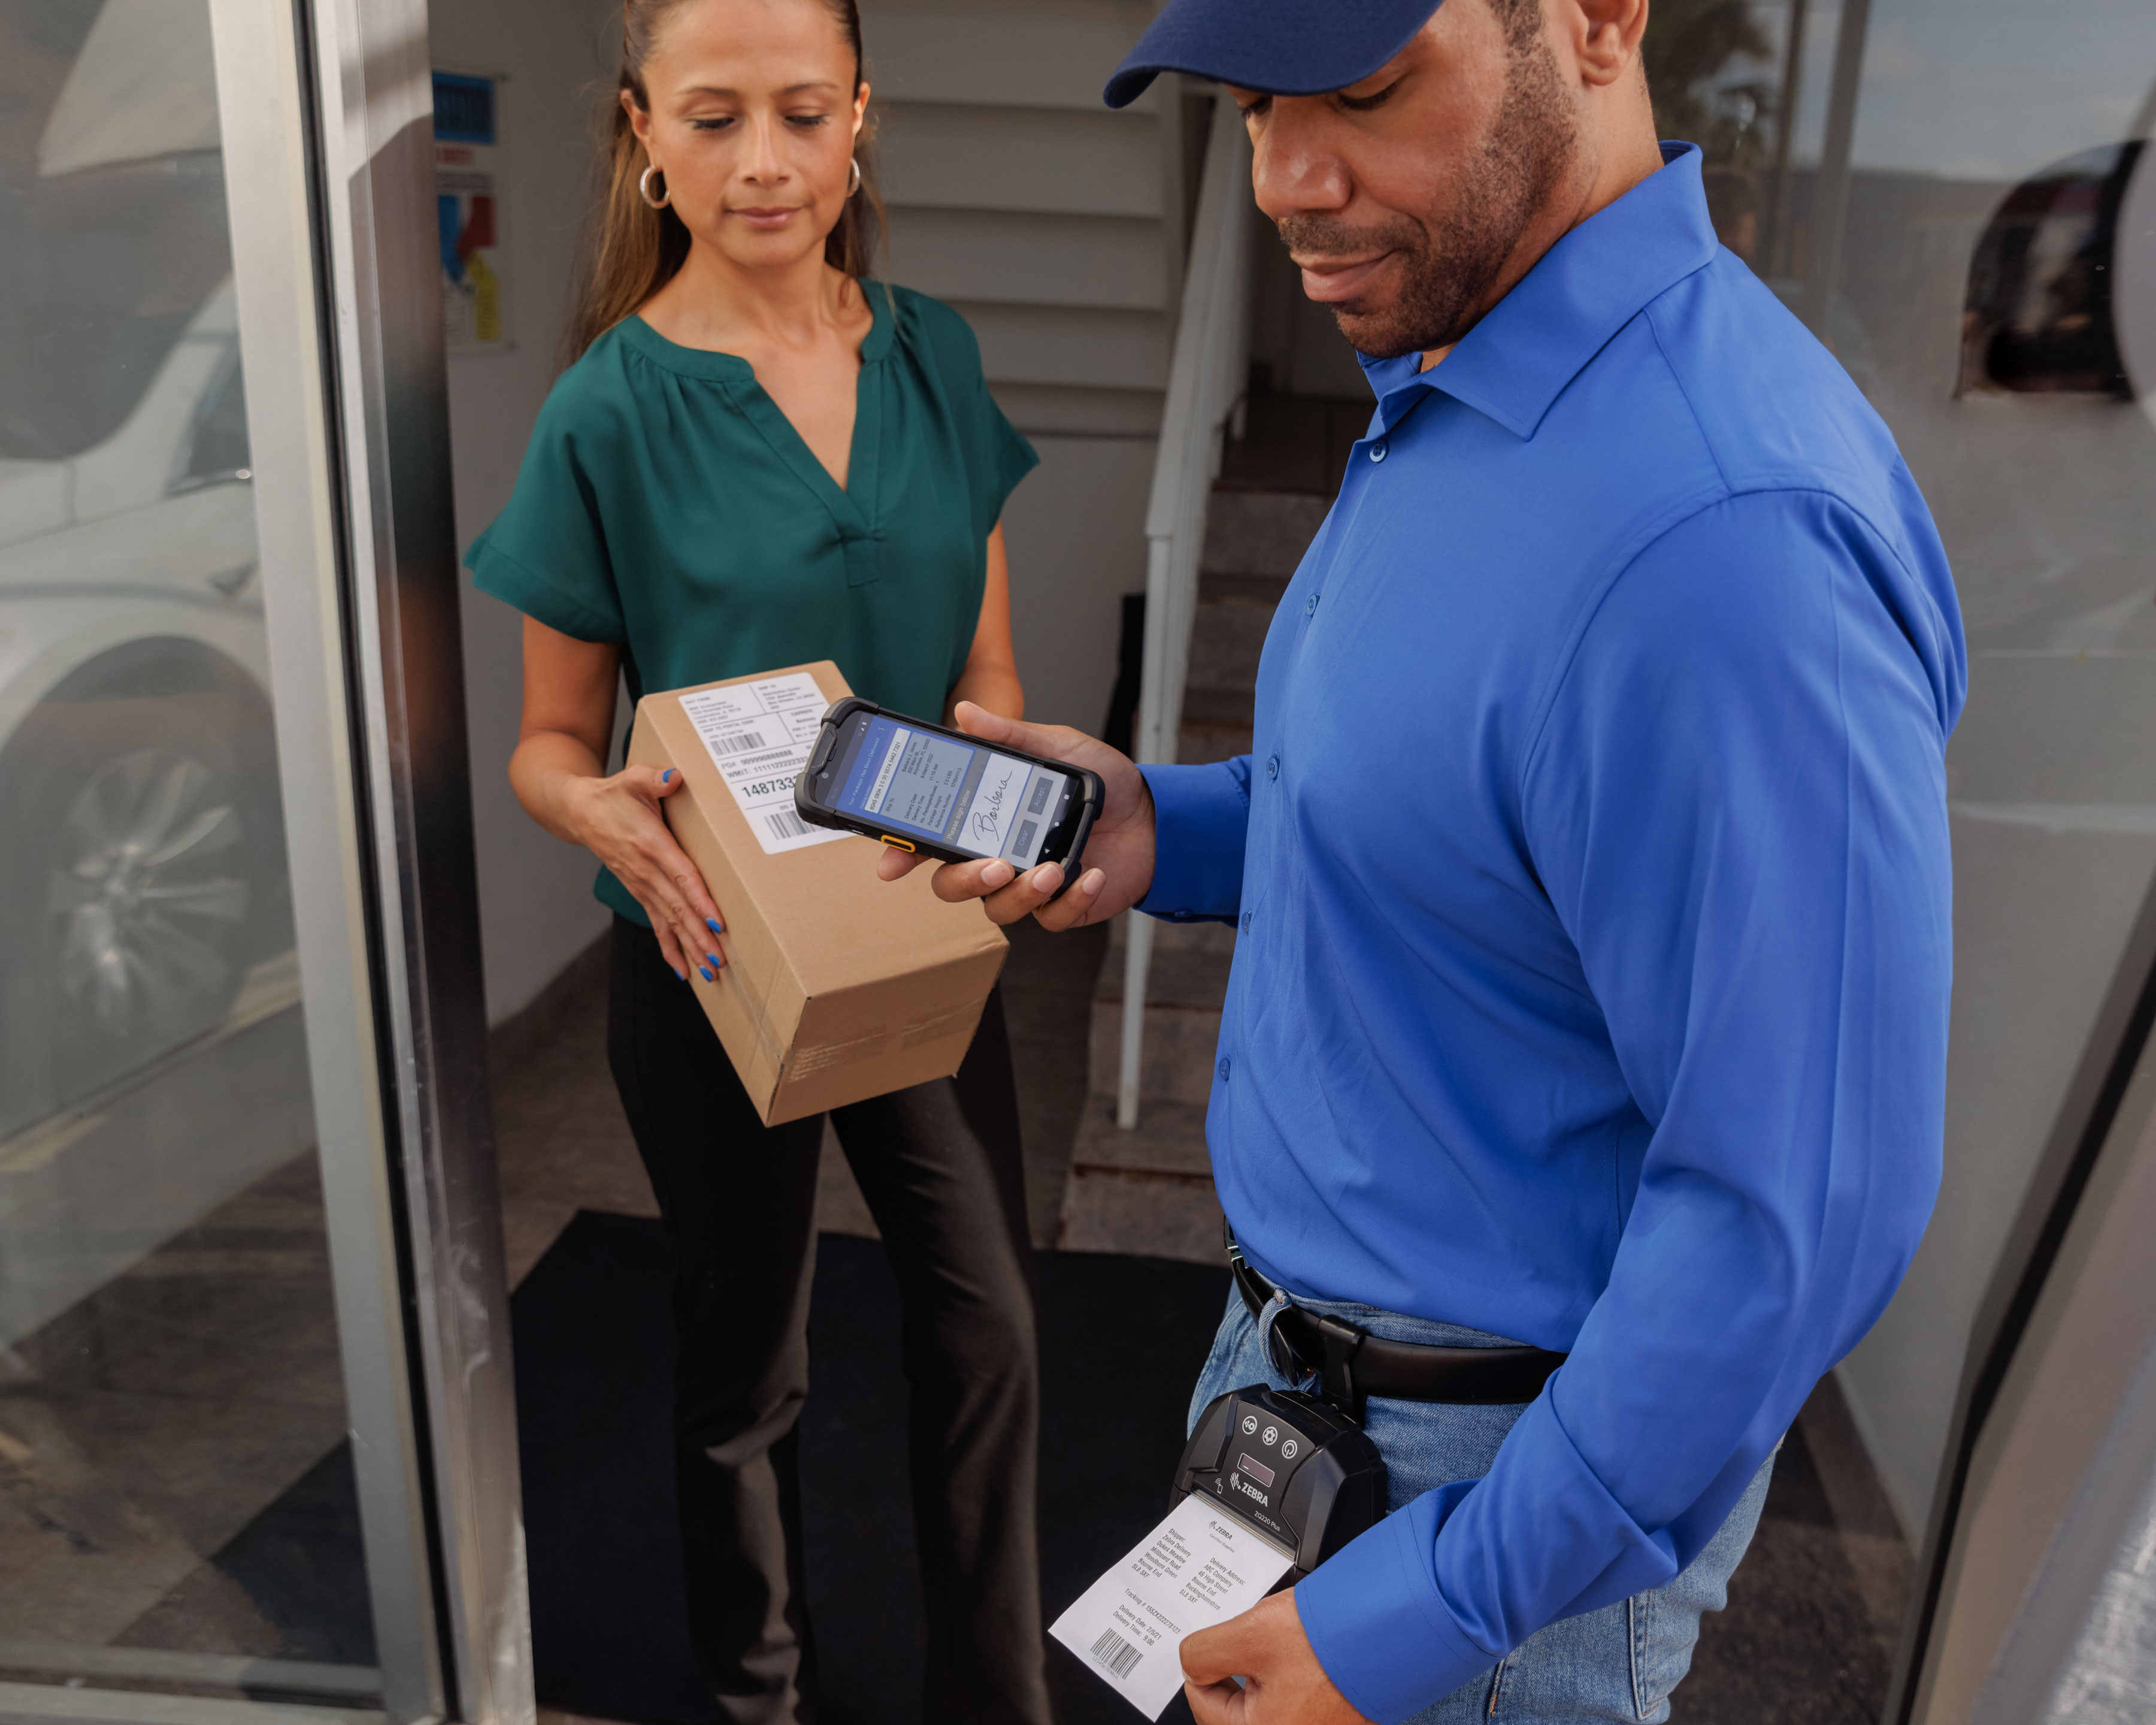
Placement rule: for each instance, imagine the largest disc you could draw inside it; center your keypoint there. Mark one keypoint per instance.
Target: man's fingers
(955, 883)
(1075, 909)
(1217, 1703)
(1053, 742)
(1219, 1655)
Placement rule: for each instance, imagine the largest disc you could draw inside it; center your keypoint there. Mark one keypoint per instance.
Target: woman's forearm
(994, 686)
(545, 771)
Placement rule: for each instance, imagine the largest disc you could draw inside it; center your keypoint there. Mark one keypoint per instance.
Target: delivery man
(1590, 866)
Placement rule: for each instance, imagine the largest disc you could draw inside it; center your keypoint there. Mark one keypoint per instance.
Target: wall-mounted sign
(468, 208)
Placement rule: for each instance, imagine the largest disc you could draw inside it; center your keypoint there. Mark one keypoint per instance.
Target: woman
(761, 458)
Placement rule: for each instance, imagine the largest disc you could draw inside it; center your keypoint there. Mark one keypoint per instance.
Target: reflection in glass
(1994, 293)
(175, 1499)
(2040, 288)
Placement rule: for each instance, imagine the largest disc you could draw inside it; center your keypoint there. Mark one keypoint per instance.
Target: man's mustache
(1328, 236)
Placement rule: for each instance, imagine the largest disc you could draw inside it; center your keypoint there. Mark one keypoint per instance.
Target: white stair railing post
(1204, 392)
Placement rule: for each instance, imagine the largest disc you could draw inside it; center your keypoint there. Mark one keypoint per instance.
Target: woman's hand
(559, 775)
(1119, 852)
(619, 821)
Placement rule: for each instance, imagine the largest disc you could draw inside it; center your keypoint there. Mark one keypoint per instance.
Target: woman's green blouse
(666, 505)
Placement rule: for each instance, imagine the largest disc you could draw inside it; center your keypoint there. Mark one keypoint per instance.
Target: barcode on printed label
(740, 743)
(1113, 1651)
(784, 826)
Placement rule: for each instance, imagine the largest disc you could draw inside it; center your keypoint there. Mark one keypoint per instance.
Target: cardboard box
(837, 986)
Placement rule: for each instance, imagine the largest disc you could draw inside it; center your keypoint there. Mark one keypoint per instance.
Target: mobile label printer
(1295, 1468)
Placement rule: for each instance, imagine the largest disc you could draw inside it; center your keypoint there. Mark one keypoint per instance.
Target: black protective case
(1091, 791)
(1323, 1491)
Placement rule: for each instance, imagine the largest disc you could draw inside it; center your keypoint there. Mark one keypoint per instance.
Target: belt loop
(1337, 1377)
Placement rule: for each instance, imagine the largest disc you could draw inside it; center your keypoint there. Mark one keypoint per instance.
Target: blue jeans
(1620, 1662)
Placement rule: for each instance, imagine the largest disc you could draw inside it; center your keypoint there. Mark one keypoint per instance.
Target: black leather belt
(1351, 1364)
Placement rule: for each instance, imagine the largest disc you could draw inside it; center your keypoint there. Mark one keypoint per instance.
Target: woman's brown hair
(632, 250)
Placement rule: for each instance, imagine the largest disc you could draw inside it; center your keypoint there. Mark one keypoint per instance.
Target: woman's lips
(768, 217)
(1327, 281)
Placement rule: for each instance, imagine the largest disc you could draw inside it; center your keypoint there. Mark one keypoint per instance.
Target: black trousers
(939, 1165)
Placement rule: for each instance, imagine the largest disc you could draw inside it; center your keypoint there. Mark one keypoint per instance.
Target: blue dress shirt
(1591, 867)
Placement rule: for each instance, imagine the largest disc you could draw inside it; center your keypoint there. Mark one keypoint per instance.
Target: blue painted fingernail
(710, 975)
(681, 974)
(715, 925)
(667, 777)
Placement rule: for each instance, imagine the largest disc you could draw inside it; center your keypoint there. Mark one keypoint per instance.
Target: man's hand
(1118, 858)
(1266, 1646)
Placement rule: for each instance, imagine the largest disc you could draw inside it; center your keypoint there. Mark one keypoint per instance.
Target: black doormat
(1122, 1340)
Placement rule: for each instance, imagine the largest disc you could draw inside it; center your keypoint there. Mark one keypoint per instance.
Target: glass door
(253, 1436)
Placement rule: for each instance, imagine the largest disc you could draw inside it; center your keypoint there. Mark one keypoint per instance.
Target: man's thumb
(979, 721)
(1208, 1656)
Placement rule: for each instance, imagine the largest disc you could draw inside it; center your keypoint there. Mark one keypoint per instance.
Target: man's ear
(1606, 38)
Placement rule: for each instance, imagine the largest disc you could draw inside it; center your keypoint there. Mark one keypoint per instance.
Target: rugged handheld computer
(927, 788)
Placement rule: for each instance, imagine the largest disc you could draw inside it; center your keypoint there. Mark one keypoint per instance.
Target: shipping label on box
(838, 986)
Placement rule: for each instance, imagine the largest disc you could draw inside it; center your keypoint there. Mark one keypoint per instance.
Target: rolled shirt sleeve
(1201, 826)
(1736, 804)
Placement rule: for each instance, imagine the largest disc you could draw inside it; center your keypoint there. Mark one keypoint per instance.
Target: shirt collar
(1587, 286)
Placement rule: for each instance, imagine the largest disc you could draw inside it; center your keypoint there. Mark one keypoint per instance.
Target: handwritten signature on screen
(988, 808)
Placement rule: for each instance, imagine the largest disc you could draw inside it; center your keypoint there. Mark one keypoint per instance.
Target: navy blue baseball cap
(1282, 47)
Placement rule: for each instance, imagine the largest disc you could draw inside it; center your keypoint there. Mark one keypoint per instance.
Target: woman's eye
(718, 124)
(808, 120)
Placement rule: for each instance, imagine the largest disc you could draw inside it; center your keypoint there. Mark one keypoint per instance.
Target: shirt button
(1246, 923)
(1224, 1071)
(1310, 607)
(1272, 766)
(1378, 450)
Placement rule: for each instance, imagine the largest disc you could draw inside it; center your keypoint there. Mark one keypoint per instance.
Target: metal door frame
(327, 111)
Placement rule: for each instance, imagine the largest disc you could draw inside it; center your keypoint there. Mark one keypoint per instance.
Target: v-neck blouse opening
(715, 367)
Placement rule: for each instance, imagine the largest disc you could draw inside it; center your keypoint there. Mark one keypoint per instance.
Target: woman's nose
(763, 163)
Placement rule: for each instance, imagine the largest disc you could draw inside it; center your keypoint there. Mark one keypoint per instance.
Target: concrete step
(1212, 741)
(1179, 976)
(1260, 533)
(1169, 1139)
(1255, 589)
(1185, 988)
(1147, 1192)
(1181, 1043)
(1227, 639)
(1206, 705)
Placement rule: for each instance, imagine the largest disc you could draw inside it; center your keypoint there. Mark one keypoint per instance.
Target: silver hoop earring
(644, 187)
(854, 185)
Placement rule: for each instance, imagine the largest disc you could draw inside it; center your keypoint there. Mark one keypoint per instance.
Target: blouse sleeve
(997, 455)
(545, 553)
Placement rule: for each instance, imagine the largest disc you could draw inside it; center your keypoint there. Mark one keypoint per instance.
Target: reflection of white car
(141, 845)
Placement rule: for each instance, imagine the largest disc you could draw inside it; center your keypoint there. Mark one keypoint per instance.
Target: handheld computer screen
(925, 784)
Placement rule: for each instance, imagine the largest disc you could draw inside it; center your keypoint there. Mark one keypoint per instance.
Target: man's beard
(1448, 272)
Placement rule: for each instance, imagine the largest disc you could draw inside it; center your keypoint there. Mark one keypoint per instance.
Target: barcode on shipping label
(1113, 1651)
(759, 735)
